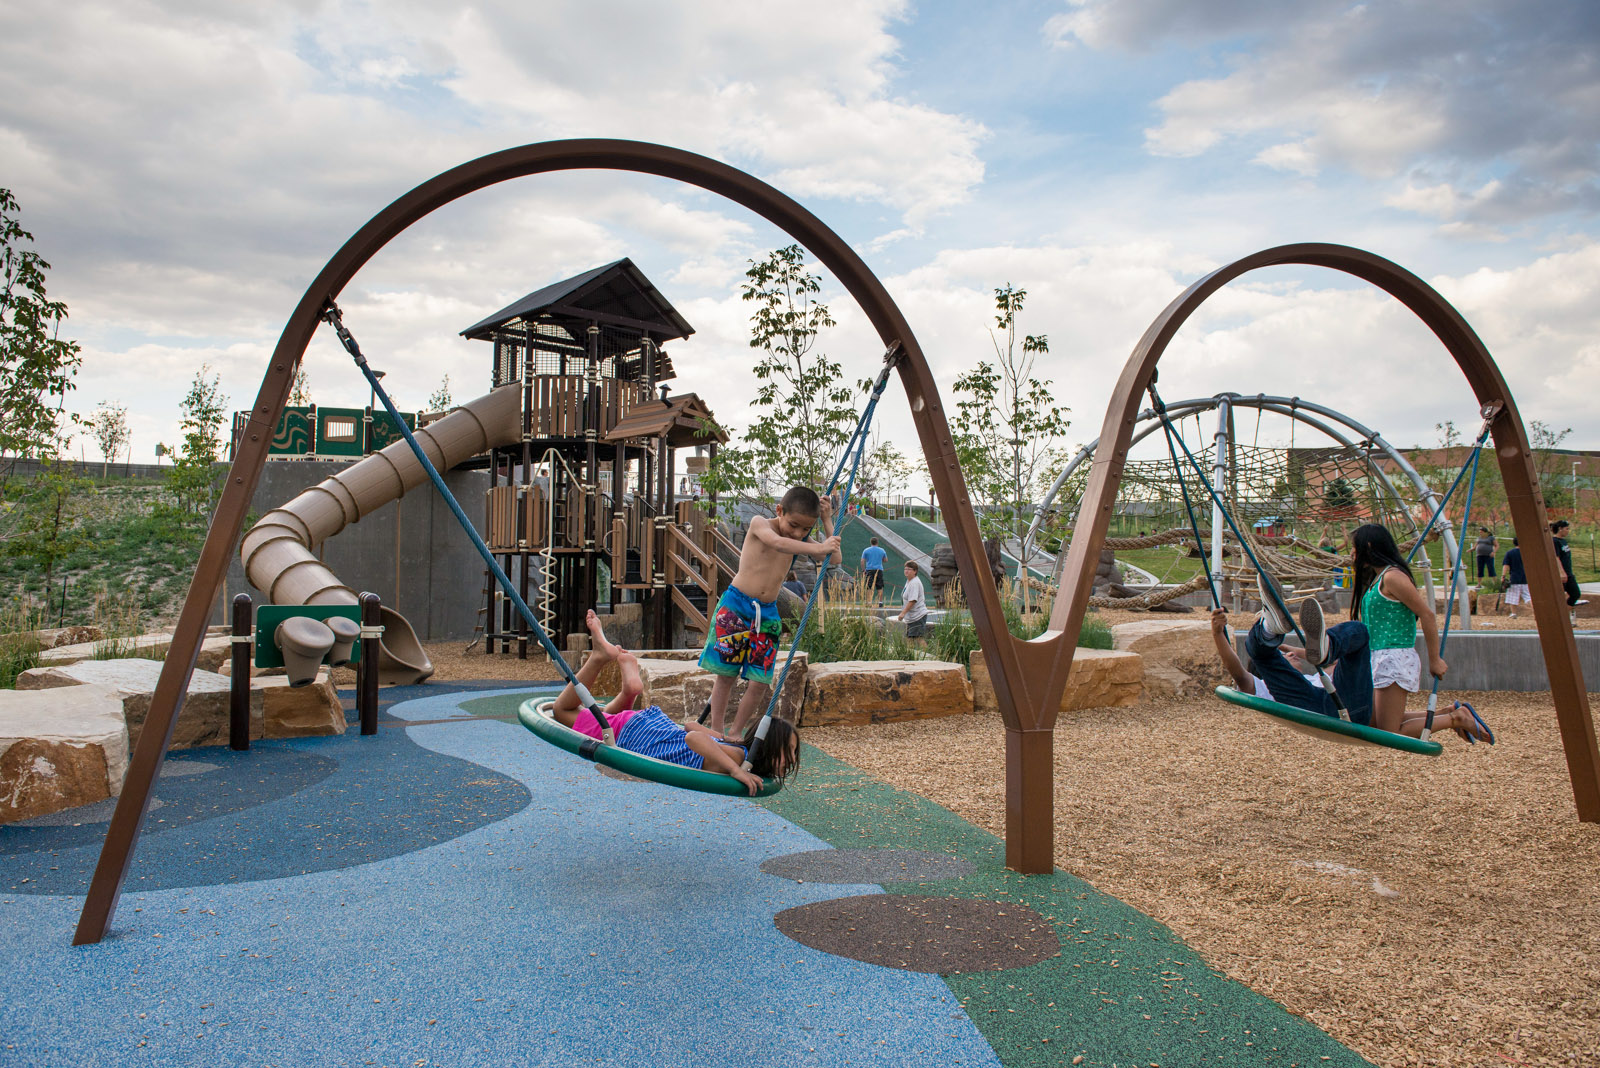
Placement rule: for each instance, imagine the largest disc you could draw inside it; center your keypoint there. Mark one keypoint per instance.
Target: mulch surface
(1424, 911)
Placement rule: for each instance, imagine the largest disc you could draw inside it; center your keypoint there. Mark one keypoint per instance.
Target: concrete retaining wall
(429, 571)
(1501, 660)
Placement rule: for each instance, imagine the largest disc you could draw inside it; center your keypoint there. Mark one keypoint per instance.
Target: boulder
(202, 721)
(154, 644)
(286, 711)
(1180, 659)
(856, 692)
(1100, 678)
(59, 749)
(56, 637)
(682, 688)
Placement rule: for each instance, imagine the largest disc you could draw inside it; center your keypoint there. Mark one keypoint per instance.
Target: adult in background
(1483, 549)
(1569, 582)
(872, 558)
(1516, 579)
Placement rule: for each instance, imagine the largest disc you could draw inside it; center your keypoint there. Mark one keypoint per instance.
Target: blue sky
(188, 170)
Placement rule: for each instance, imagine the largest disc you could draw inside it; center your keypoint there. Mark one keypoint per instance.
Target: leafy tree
(1339, 496)
(192, 481)
(109, 425)
(439, 399)
(1007, 423)
(884, 470)
(1550, 464)
(51, 517)
(805, 408)
(300, 392)
(36, 363)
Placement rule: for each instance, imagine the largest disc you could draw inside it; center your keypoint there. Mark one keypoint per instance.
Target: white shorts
(1518, 594)
(1402, 667)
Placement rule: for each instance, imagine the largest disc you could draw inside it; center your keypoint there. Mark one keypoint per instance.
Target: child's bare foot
(632, 680)
(598, 639)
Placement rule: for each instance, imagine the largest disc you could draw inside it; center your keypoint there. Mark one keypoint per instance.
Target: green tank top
(1390, 624)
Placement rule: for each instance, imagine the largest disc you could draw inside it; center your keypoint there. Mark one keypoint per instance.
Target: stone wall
(1099, 678)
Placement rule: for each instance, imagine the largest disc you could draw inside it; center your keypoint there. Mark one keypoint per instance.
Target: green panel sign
(382, 431)
(341, 431)
(294, 432)
(268, 616)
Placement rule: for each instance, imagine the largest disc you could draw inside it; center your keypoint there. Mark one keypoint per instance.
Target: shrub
(19, 642)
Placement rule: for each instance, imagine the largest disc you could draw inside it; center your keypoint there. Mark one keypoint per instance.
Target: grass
(121, 621)
(19, 645)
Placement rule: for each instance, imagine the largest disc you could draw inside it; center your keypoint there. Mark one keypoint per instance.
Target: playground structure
(1359, 478)
(582, 499)
(1029, 677)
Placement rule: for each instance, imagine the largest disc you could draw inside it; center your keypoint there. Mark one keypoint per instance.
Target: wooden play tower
(589, 502)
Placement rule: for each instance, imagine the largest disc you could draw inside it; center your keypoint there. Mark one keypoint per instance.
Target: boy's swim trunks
(744, 638)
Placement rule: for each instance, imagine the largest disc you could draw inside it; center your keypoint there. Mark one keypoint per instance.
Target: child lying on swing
(650, 732)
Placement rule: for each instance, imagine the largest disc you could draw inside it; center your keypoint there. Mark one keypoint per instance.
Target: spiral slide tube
(279, 552)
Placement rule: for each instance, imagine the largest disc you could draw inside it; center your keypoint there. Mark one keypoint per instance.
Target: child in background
(743, 642)
(650, 732)
(914, 608)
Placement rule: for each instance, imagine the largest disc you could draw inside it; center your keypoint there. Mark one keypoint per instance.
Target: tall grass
(845, 626)
(19, 643)
(954, 637)
(121, 621)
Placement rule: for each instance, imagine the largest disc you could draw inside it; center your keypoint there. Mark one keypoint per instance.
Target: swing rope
(857, 444)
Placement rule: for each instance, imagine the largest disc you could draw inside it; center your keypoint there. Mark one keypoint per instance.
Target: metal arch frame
(1292, 407)
(1024, 682)
(1518, 474)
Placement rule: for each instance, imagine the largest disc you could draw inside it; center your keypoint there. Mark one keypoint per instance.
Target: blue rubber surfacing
(506, 906)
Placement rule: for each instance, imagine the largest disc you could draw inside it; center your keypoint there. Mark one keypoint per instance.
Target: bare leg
(753, 701)
(567, 707)
(1389, 708)
(1456, 719)
(721, 690)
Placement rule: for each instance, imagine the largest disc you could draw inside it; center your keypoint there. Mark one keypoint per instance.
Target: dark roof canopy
(684, 420)
(617, 294)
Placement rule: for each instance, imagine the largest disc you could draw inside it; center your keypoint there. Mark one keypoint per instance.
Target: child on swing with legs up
(651, 732)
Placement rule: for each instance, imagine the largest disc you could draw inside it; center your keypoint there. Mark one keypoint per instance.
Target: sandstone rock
(1099, 678)
(681, 688)
(154, 644)
(296, 711)
(215, 651)
(855, 692)
(202, 721)
(56, 637)
(59, 749)
(1180, 659)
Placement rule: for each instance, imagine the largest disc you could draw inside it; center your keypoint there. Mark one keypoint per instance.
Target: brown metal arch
(1011, 675)
(1511, 447)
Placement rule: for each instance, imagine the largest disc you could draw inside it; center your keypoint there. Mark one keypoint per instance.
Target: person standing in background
(1483, 549)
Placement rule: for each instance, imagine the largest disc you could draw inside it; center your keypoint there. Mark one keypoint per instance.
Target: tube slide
(279, 552)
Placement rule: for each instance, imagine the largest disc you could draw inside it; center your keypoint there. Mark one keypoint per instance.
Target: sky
(188, 167)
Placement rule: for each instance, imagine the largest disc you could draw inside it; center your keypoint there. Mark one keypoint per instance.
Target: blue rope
(1194, 524)
(332, 316)
(857, 443)
(1477, 447)
(1455, 574)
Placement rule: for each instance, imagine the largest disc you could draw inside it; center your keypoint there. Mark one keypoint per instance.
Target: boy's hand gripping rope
(334, 318)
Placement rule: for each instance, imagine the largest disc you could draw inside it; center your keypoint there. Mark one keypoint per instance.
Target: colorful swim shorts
(743, 642)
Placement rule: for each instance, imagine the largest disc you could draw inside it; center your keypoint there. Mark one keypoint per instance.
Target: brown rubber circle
(918, 933)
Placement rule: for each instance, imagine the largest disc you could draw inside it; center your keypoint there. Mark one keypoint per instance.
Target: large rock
(1180, 659)
(296, 711)
(681, 688)
(59, 749)
(856, 692)
(56, 637)
(1099, 678)
(155, 644)
(202, 721)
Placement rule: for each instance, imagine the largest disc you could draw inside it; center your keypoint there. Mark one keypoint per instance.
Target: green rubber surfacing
(1329, 727)
(535, 715)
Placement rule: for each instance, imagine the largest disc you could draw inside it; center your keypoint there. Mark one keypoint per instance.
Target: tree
(192, 481)
(1007, 423)
(1338, 496)
(300, 392)
(1550, 464)
(36, 363)
(806, 410)
(109, 425)
(884, 470)
(439, 399)
(50, 517)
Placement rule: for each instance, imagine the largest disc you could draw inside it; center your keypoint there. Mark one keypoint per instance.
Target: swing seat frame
(536, 715)
(1329, 728)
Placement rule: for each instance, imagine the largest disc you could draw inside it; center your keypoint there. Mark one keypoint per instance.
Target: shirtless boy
(743, 642)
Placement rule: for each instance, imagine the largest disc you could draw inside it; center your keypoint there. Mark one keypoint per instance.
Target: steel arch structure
(1297, 408)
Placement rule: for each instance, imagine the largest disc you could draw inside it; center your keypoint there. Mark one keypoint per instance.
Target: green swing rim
(1315, 721)
(535, 715)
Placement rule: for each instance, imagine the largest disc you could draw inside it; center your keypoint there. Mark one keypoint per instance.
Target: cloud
(1451, 93)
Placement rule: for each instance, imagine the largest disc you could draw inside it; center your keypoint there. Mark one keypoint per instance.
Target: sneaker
(1273, 617)
(1316, 634)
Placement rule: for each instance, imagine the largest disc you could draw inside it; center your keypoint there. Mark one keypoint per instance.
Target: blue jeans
(1352, 671)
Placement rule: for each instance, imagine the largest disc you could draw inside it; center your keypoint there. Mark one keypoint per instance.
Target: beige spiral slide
(279, 552)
